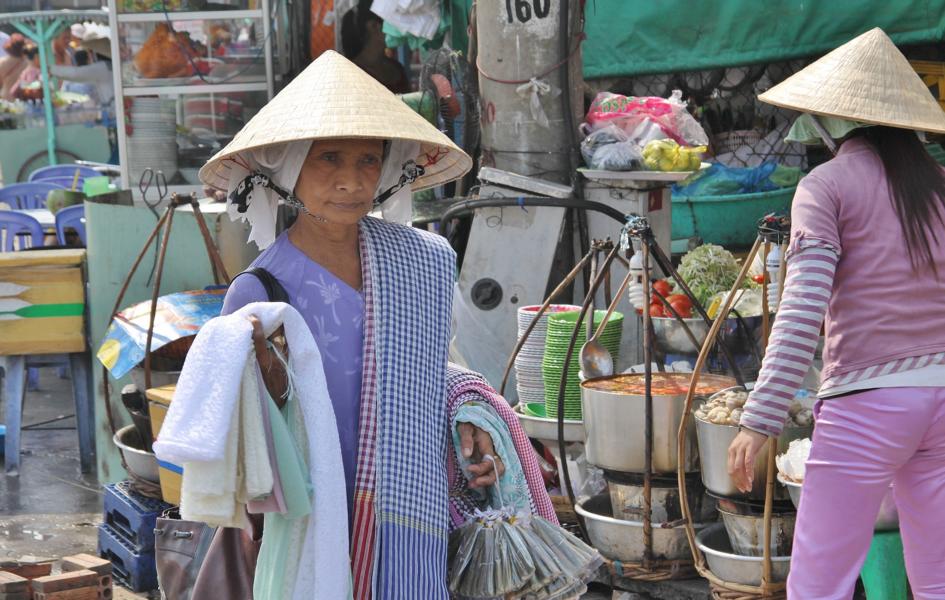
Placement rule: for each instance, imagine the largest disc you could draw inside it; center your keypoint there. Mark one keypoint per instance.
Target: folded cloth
(198, 424)
(274, 502)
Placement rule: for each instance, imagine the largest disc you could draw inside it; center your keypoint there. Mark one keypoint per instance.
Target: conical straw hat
(868, 80)
(333, 98)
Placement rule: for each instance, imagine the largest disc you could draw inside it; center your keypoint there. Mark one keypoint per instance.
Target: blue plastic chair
(64, 182)
(27, 195)
(70, 216)
(13, 224)
(44, 173)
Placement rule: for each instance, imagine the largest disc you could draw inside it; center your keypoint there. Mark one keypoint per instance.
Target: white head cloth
(283, 163)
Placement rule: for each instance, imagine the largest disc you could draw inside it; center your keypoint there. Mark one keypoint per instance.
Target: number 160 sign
(523, 10)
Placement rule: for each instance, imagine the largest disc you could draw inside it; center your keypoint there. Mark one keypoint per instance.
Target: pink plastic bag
(645, 118)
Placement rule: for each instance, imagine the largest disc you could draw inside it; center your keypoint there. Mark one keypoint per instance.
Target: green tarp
(631, 37)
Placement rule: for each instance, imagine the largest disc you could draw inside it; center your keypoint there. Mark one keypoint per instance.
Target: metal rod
(772, 445)
(648, 417)
(157, 292)
(137, 263)
(564, 382)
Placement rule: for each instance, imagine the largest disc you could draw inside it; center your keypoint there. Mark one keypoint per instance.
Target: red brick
(86, 561)
(13, 583)
(85, 593)
(66, 581)
(30, 571)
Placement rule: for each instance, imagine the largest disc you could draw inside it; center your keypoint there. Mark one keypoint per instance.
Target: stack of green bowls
(560, 330)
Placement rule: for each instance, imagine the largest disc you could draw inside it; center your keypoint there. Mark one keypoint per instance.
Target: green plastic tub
(730, 221)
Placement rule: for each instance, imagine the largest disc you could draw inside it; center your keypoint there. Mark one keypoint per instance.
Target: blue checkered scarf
(412, 274)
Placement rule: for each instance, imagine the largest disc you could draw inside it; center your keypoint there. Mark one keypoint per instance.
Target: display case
(188, 75)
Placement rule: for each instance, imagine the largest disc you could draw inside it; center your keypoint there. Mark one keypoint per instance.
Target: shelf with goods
(187, 81)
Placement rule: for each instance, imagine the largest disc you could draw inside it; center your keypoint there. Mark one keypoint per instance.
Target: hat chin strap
(822, 132)
(241, 195)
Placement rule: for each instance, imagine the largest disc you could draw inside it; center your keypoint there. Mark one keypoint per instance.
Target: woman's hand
(741, 457)
(475, 444)
(274, 375)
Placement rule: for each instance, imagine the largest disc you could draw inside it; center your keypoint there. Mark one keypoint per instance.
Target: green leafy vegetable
(710, 269)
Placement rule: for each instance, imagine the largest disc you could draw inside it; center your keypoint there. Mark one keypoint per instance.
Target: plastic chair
(45, 173)
(12, 224)
(65, 182)
(70, 216)
(27, 195)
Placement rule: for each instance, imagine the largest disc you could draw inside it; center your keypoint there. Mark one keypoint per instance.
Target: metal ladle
(596, 360)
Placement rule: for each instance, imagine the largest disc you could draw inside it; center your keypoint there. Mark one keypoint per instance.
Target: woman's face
(339, 178)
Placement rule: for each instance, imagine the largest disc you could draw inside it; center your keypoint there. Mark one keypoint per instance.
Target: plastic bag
(719, 180)
(637, 114)
(610, 149)
(667, 155)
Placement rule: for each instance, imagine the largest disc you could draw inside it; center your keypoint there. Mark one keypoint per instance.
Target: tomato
(663, 287)
(682, 299)
(656, 310)
(759, 278)
(683, 308)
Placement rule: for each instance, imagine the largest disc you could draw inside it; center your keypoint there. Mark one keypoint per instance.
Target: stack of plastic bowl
(529, 380)
(152, 138)
(557, 339)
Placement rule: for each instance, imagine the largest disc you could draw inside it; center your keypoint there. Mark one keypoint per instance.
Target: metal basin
(626, 500)
(615, 424)
(543, 428)
(886, 520)
(623, 540)
(143, 464)
(747, 533)
(671, 338)
(724, 564)
(713, 443)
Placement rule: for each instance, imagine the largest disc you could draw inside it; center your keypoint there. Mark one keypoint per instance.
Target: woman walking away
(868, 251)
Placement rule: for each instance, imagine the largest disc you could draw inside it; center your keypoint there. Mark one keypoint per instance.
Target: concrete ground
(51, 510)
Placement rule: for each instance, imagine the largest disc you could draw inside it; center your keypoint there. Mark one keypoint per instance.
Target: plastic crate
(135, 570)
(131, 515)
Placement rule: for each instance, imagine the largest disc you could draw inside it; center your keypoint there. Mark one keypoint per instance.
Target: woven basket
(730, 141)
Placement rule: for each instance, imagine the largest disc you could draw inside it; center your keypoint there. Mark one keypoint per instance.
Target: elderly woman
(376, 295)
(865, 225)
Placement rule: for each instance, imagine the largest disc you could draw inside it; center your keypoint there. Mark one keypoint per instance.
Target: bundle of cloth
(242, 454)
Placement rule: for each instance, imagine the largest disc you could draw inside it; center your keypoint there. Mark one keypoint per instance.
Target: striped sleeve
(790, 351)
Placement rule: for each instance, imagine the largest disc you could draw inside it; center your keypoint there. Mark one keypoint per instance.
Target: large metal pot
(623, 540)
(714, 440)
(728, 566)
(142, 463)
(614, 410)
(886, 520)
(747, 533)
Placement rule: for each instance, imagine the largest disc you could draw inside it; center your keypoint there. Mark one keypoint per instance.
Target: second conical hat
(333, 98)
(867, 79)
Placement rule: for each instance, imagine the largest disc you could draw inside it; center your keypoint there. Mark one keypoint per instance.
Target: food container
(746, 533)
(714, 440)
(671, 338)
(626, 500)
(886, 520)
(623, 540)
(614, 420)
(539, 427)
(726, 565)
(141, 463)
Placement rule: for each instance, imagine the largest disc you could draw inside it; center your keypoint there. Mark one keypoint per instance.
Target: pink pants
(862, 443)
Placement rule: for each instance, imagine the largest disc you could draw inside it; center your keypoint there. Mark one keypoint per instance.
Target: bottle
(773, 267)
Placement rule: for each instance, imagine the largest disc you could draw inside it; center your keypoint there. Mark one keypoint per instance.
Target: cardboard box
(42, 302)
(159, 400)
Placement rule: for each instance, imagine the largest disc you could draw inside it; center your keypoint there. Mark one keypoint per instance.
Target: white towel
(203, 410)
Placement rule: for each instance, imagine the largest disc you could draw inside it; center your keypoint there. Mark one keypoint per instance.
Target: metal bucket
(713, 443)
(623, 540)
(746, 533)
(724, 564)
(141, 463)
(615, 423)
(886, 520)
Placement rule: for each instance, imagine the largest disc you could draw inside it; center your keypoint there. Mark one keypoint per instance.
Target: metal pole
(42, 36)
